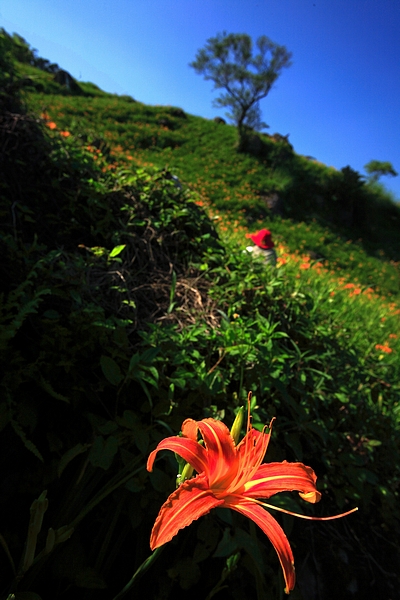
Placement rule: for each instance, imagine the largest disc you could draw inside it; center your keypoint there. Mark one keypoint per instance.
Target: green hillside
(128, 304)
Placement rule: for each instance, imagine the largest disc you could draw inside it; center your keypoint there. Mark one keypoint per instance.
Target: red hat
(262, 239)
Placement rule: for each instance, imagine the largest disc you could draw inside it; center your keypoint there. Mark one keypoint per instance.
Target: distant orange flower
(348, 286)
(51, 125)
(355, 292)
(383, 348)
(305, 265)
(393, 336)
(65, 133)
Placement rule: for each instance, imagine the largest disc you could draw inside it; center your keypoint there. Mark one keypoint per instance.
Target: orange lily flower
(384, 348)
(231, 476)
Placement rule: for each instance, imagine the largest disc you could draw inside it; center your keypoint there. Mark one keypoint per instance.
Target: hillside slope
(269, 184)
(128, 306)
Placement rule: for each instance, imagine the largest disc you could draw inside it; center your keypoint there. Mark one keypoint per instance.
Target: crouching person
(263, 246)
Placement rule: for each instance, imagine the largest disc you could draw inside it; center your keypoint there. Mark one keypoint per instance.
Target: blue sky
(339, 101)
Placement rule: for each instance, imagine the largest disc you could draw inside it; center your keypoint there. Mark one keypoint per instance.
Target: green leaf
(135, 360)
(141, 437)
(51, 314)
(342, 397)
(251, 546)
(68, 456)
(160, 481)
(207, 534)
(117, 250)
(111, 370)
(227, 546)
(128, 420)
(90, 579)
(107, 427)
(293, 441)
(186, 571)
(318, 430)
(103, 451)
(131, 421)
(373, 443)
(46, 385)
(27, 443)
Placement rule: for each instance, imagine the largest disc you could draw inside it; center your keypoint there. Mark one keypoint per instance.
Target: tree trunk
(242, 133)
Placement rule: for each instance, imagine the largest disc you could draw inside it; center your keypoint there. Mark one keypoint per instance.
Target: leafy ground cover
(129, 304)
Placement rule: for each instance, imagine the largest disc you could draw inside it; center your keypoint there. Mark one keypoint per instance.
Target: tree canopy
(378, 168)
(230, 61)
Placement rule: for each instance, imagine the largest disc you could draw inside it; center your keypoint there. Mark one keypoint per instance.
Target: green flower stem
(112, 485)
(117, 481)
(139, 572)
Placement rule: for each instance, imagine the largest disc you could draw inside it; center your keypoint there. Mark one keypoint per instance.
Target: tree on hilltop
(378, 168)
(228, 60)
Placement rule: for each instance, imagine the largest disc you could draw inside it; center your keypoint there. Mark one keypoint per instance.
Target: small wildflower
(355, 292)
(383, 348)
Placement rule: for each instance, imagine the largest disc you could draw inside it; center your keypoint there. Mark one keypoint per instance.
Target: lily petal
(249, 455)
(189, 450)
(190, 501)
(274, 532)
(190, 429)
(251, 452)
(312, 497)
(221, 451)
(272, 478)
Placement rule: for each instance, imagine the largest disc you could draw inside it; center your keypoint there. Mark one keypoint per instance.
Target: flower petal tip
(312, 497)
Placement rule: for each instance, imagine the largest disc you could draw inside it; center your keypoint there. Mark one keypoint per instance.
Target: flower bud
(237, 425)
(186, 473)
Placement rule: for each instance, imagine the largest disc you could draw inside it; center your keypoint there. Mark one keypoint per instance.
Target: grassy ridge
(130, 305)
(202, 154)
